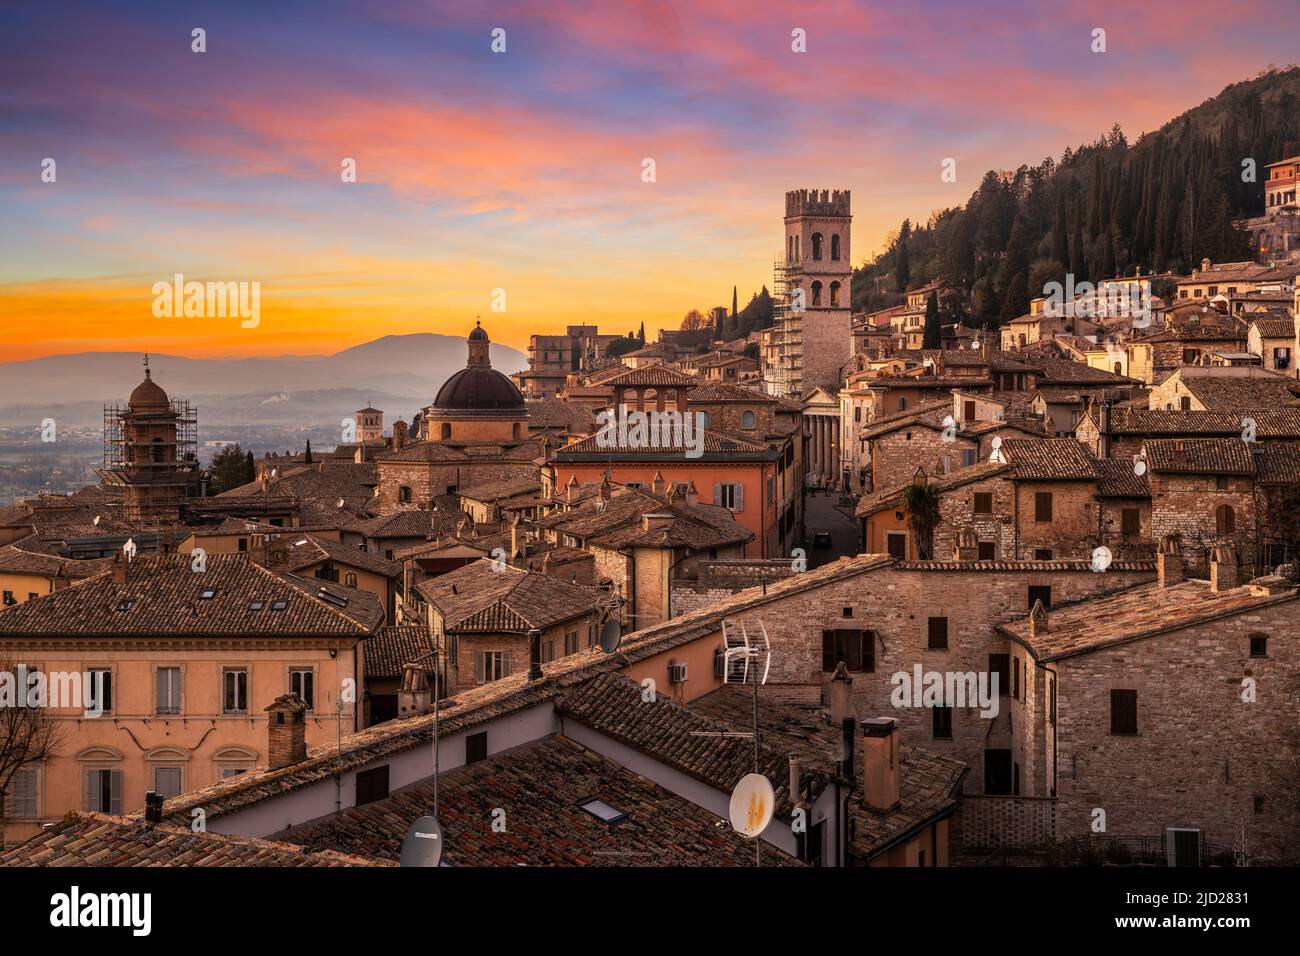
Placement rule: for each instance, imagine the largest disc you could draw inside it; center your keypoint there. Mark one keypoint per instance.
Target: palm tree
(921, 501)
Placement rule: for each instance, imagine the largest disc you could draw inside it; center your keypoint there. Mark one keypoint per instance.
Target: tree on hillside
(902, 265)
(933, 336)
(229, 469)
(694, 320)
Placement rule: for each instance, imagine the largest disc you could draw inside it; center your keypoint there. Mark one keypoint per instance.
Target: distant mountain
(402, 365)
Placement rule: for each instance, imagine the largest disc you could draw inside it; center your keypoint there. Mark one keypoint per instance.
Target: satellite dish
(340, 503)
(753, 802)
(611, 635)
(96, 521)
(423, 843)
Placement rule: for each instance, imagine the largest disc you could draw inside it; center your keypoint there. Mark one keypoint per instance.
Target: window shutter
(24, 791)
(162, 687)
(115, 792)
(717, 493)
(505, 664)
(90, 780)
(828, 651)
(867, 645)
(739, 491)
(480, 667)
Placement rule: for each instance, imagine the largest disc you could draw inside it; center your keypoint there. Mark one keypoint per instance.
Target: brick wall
(1187, 504)
(983, 823)
(898, 454)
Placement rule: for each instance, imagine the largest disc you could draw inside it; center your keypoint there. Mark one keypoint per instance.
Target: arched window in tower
(835, 247)
(1225, 520)
(157, 451)
(835, 294)
(797, 253)
(648, 399)
(789, 247)
(817, 245)
(670, 399)
(446, 430)
(816, 293)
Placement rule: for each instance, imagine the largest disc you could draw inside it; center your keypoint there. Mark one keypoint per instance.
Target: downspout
(1015, 485)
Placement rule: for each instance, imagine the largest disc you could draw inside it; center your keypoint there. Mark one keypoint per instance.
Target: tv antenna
(747, 659)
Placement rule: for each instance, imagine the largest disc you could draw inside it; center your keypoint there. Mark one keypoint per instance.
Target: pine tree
(902, 266)
(933, 335)
(307, 457)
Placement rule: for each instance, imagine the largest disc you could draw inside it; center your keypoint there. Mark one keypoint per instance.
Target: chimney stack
(880, 763)
(1224, 570)
(657, 483)
(153, 807)
(414, 696)
(286, 731)
(120, 565)
(571, 489)
(516, 548)
(692, 494)
(534, 654)
(1038, 619)
(796, 782)
(1169, 562)
(841, 695)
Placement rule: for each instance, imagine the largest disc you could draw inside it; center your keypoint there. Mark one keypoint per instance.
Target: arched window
(670, 399)
(747, 420)
(446, 430)
(817, 245)
(797, 253)
(816, 293)
(515, 431)
(835, 294)
(157, 450)
(1225, 519)
(1117, 369)
(648, 398)
(789, 247)
(835, 247)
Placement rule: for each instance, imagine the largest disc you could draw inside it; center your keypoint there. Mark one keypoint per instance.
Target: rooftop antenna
(747, 659)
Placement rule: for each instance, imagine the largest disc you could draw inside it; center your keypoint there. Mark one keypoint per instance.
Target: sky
(522, 171)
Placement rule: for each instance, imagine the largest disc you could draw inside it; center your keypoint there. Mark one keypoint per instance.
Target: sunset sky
(522, 170)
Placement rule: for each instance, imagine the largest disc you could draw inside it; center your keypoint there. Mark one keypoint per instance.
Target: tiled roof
(495, 490)
(928, 790)
(18, 560)
(1200, 456)
(619, 522)
(1277, 463)
(306, 550)
(556, 413)
(1030, 567)
(1232, 392)
(541, 786)
(653, 375)
(928, 415)
(1118, 480)
(1275, 327)
(1133, 614)
(1050, 459)
(884, 498)
(715, 443)
(165, 598)
(1051, 370)
(84, 839)
(710, 393)
(394, 645)
(408, 523)
(478, 598)
(315, 490)
(1277, 423)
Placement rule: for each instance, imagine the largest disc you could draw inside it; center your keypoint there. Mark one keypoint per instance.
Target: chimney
(153, 807)
(286, 731)
(605, 489)
(1169, 562)
(516, 546)
(841, 695)
(571, 489)
(120, 565)
(1103, 428)
(1038, 620)
(880, 763)
(1224, 570)
(967, 546)
(414, 696)
(657, 483)
(848, 735)
(534, 654)
(399, 435)
(1180, 453)
(1205, 264)
(796, 781)
(692, 494)
(657, 519)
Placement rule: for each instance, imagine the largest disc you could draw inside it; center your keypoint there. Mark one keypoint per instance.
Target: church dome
(149, 396)
(478, 388)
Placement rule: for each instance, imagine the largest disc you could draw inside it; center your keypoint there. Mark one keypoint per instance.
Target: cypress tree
(933, 337)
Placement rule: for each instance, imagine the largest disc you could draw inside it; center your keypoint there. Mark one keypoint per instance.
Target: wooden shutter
(1130, 521)
(828, 651)
(938, 633)
(739, 492)
(24, 792)
(717, 493)
(115, 792)
(480, 667)
(161, 689)
(1042, 506)
(90, 790)
(867, 650)
(1123, 712)
(505, 664)
(1000, 664)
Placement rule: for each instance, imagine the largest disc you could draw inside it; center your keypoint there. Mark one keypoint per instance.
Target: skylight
(602, 811)
(207, 594)
(126, 604)
(279, 605)
(255, 605)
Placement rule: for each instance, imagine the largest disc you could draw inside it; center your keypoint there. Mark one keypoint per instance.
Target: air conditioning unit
(677, 673)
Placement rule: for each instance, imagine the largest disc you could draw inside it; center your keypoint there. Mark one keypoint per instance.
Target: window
(602, 811)
(967, 459)
(1040, 592)
(404, 492)
(748, 420)
(279, 605)
(817, 245)
(984, 502)
(1130, 521)
(302, 681)
(902, 407)
(234, 684)
(168, 685)
(1259, 645)
(938, 634)
(101, 677)
(856, 648)
(835, 294)
(243, 544)
(1220, 482)
(729, 495)
(571, 643)
(103, 793)
(988, 551)
(548, 652)
(24, 802)
(1043, 506)
(1123, 712)
(9, 599)
(476, 748)
(227, 772)
(491, 665)
(207, 594)
(942, 717)
(167, 781)
(896, 545)
(1042, 554)
(1000, 664)
(1225, 520)
(816, 293)
(350, 579)
(1015, 677)
(372, 785)
(835, 247)
(705, 420)
(846, 612)
(968, 410)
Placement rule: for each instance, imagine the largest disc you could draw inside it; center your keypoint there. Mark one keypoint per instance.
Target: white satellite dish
(340, 503)
(96, 521)
(611, 635)
(273, 471)
(129, 548)
(753, 802)
(423, 843)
